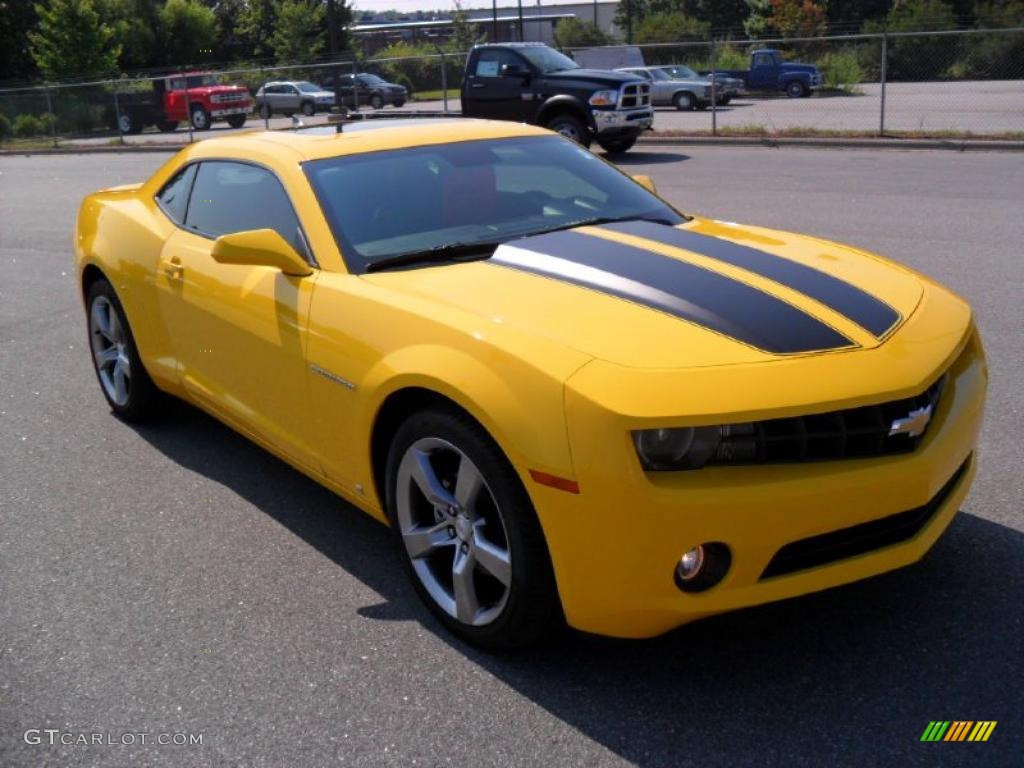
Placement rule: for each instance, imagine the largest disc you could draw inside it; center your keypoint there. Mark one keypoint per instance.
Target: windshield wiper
(437, 254)
(598, 220)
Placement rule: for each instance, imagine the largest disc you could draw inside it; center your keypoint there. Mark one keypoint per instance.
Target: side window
(492, 63)
(763, 60)
(234, 197)
(176, 84)
(173, 198)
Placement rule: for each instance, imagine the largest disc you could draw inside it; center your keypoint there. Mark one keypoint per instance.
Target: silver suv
(291, 96)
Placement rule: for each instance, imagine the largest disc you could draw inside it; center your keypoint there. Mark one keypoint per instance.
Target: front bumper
(243, 108)
(622, 121)
(616, 544)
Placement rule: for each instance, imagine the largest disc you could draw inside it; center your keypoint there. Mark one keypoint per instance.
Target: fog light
(703, 566)
(691, 564)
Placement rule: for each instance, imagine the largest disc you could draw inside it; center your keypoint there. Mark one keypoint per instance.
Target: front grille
(635, 95)
(858, 539)
(227, 97)
(861, 432)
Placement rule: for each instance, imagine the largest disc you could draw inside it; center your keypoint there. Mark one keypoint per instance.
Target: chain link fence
(956, 84)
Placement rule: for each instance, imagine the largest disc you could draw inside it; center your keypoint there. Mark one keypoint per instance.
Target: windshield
(681, 71)
(197, 81)
(547, 59)
(371, 80)
(307, 87)
(383, 204)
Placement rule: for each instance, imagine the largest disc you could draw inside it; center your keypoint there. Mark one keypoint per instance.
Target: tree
(299, 33)
(670, 28)
(785, 18)
(16, 19)
(138, 30)
(573, 33)
(72, 41)
(918, 57)
(189, 31)
(256, 27)
(464, 34)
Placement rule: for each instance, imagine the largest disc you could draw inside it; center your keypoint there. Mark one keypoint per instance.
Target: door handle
(173, 268)
(477, 85)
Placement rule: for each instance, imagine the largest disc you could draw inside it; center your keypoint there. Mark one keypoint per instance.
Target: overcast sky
(435, 5)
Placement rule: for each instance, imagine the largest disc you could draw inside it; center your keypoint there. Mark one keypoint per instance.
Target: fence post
(53, 117)
(188, 106)
(355, 82)
(444, 83)
(117, 117)
(266, 112)
(714, 91)
(885, 57)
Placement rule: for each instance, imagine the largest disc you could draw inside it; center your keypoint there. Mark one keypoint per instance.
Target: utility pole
(521, 38)
(595, 15)
(332, 44)
(494, 21)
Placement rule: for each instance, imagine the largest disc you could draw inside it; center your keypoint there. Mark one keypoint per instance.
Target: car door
(763, 72)
(239, 331)
(492, 94)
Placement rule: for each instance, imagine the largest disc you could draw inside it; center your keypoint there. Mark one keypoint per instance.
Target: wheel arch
(563, 103)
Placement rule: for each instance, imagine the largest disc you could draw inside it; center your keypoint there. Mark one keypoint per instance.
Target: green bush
(726, 57)
(27, 126)
(840, 70)
(5, 127)
(47, 123)
(75, 115)
(416, 74)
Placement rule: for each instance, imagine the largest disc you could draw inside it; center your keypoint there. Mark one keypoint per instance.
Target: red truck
(194, 96)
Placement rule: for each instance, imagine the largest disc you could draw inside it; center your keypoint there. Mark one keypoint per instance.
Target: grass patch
(806, 132)
(438, 95)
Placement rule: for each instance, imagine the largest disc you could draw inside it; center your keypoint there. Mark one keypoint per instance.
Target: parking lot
(991, 107)
(176, 578)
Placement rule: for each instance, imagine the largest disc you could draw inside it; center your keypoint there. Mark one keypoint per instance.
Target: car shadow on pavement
(641, 157)
(851, 676)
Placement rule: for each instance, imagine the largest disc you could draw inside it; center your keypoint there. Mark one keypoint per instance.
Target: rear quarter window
(173, 198)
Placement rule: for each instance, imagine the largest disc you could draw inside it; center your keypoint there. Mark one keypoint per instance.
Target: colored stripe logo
(862, 308)
(958, 730)
(670, 285)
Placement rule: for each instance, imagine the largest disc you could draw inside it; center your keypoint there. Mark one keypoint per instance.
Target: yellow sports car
(570, 401)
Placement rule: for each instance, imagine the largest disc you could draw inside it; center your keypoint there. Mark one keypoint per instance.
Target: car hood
(598, 76)
(791, 67)
(646, 295)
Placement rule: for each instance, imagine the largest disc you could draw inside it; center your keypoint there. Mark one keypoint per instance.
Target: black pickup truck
(532, 83)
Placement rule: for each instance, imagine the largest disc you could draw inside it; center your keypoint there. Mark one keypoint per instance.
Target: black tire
(236, 121)
(796, 90)
(684, 101)
(143, 398)
(400, 103)
(530, 609)
(377, 101)
(570, 127)
(617, 146)
(168, 126)
(265, 111)
(722, 102)
(308, 108)
(199, 118)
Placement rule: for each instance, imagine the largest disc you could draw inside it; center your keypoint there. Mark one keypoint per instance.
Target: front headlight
(604, 98)
(663, 450)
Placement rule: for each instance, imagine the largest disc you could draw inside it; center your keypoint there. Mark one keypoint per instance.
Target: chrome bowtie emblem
(913, 424)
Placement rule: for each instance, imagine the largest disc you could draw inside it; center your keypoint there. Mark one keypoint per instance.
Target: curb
(964, 145)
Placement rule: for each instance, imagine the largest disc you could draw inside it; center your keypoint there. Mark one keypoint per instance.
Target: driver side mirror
(260, 248)
(646, 182)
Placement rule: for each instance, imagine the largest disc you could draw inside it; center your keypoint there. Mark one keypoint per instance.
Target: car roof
(358, 138)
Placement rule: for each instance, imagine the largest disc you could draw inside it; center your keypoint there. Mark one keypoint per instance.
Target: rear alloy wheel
(617, 146)
(796, 89)
(571, 128)
(308, 108)
(127, 123)
(469, 536)
(200, 118)
(265, 111)
(684, 101)
(377, 101)
(125, 383)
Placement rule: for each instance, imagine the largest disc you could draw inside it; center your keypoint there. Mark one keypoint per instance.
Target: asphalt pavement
(176, 579)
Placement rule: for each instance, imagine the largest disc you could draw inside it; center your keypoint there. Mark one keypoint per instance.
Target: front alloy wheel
(453, 531)
(469, 536)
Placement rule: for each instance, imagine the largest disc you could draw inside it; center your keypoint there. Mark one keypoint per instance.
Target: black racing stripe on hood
(862, 308)
(673, 286)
